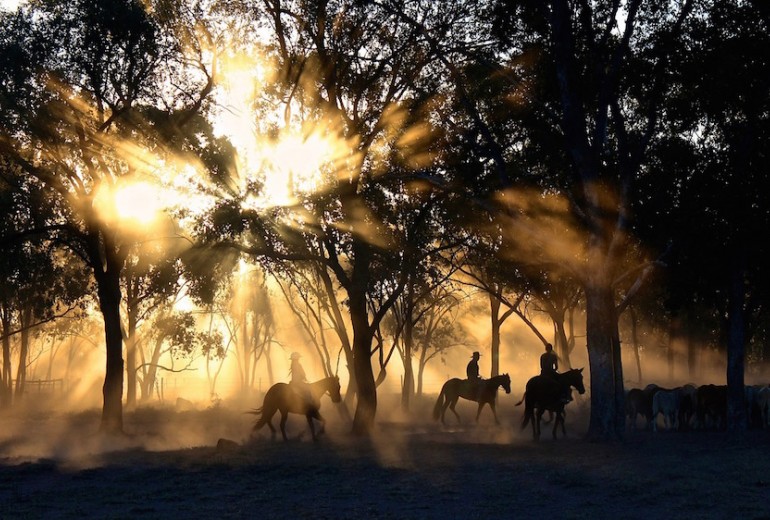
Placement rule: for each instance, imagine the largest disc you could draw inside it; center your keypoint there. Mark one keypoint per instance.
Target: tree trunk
(363, 333)
(736, 405)
(692, 351)
(607, 398)
(675, 342)
(131, 355)
(21, 370)
(366, 405)
(421, 370)
(635, 341)
(151, 371)
(112, 390)
(342, 333)
(408, 389)
(494, 347)
(562, 343)
(6, 391)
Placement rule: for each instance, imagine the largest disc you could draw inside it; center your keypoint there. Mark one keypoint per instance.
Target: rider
(549, 362)
(549, 366)
(298, 378)
(472, 371)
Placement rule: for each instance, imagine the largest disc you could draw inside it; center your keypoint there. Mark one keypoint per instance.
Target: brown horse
(285, 398)
(483, 392)
(550, 393)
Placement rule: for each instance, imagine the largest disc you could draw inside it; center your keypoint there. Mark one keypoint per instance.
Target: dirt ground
(169, 464)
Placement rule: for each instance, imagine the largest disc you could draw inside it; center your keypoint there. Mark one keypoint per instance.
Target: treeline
(590, 160)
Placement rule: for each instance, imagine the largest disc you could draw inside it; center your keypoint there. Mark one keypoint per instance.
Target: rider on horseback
(472, 372)
(549, 366)
(549, 362)
(299, 379)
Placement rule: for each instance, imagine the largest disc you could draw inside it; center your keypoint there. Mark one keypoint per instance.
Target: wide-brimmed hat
(295, 355)
(475, 354)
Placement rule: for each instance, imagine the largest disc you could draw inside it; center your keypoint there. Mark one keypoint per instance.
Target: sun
(286, 163)
(132, 203)
(10, 5)
(139, 202)
(294, 165)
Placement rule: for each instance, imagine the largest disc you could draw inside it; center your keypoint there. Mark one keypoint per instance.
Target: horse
(285, 398)
(712, 405)
(482, 392)
(550, 393)
(667, 403)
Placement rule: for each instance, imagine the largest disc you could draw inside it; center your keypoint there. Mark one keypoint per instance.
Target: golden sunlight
(293, 166)
(136, 202)
(285, 166)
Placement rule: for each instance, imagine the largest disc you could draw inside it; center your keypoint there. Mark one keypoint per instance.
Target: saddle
(556, 389)
(302, 391)
(472, 386)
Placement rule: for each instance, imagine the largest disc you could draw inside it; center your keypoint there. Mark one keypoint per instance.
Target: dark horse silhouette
(550, 393)
(483, 392)
(284, 398)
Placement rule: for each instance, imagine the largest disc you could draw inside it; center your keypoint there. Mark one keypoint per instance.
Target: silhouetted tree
(77, 73)
(352, 70)
(714, 164)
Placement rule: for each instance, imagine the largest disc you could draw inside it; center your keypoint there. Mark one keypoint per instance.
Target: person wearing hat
(474, 379)
(296, 370)
(549, 362)
(472, 370)
(298, 378)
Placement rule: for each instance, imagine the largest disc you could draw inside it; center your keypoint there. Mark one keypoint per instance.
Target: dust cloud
(187, 411)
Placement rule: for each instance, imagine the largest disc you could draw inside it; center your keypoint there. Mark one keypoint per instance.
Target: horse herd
(694, 407)
(542, 393)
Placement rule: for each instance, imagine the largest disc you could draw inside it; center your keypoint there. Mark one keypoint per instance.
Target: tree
(38, 282)
(253, 308)
(715, 163)
(175, 335)
(77, 74)
(607, 82)
(348, 71)
(150, 278)
(426, 316)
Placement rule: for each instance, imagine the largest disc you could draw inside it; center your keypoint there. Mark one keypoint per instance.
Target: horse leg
(478, 411)
(539, 417)
(494, 412)
(527, 416)
(284, 417)
(444, 407)
(452, 407)
(309, 417)
(320, 419)
(559, 420)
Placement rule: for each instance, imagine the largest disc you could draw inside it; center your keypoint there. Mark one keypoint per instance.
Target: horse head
(505, 382)
(576, 380)
(334, 389)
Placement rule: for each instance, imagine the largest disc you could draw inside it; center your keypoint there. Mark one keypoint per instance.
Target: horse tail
(522, 399)
(525, 422)
(261, 421)
(529, 412)
(439, 404)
